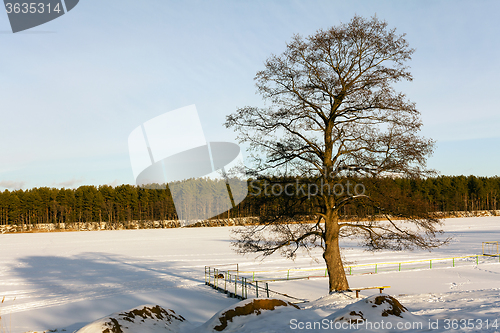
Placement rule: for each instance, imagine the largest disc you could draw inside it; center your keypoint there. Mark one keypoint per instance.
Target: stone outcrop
(144, 319)
(94, 226)
(165, 224)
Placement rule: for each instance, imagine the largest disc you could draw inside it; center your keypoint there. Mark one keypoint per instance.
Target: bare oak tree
(332, 110)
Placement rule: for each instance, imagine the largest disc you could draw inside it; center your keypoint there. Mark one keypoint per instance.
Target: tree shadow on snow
(62, 291)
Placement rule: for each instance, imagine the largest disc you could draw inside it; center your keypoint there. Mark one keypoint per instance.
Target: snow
(145, 319)
(382, 309)
(250, 315)
(66, 280)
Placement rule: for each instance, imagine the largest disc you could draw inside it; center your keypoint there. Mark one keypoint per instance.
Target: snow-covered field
(66, 280)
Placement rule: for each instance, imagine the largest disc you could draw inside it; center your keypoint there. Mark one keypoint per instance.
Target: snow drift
(154, 318)
(233, 318)
(376, 313)
(144, 319)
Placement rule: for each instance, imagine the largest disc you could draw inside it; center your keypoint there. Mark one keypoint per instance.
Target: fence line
(234, 282)
(238, 286)
(291, 274)
(371, 268)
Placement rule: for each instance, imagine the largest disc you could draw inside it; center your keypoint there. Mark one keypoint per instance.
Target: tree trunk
(336, 274)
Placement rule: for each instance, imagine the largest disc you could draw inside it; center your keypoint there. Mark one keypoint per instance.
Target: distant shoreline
(168, 224)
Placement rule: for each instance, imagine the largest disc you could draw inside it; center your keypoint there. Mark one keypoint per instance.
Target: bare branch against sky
(71, 97)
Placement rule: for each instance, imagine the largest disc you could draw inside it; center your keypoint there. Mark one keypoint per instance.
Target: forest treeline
(126, 202)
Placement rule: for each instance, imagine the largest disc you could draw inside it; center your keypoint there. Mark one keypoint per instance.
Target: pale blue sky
(72, 90)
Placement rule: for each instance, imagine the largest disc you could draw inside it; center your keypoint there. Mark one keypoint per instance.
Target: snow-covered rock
(380, 313)
(143, 319)
(250, 312)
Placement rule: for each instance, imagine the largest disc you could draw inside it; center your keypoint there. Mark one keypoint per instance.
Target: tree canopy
(333, 112)
(108, 204)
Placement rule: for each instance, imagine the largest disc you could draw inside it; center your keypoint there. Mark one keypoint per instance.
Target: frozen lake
(67, 279)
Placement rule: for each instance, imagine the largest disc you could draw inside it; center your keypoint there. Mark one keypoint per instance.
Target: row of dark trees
(127, 202)
(84, 204)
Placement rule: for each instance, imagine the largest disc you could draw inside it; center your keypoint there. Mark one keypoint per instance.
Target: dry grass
(2, 330)
(3, 325)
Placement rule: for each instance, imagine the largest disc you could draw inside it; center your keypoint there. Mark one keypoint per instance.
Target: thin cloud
(74, 182)
(114, 183)
(12, 185)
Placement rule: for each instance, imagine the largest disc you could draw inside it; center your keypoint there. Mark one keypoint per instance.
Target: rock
(143, 319)
(374, 312)
(233, 318)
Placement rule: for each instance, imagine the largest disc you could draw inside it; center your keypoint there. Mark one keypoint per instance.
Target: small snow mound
(144, 319)
(375, 309)
(333, 300)
(233, 318)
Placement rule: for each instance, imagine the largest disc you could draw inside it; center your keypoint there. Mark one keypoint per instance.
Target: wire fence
(235, 285)
(243, 284)
(304, 273)
(490, 248)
